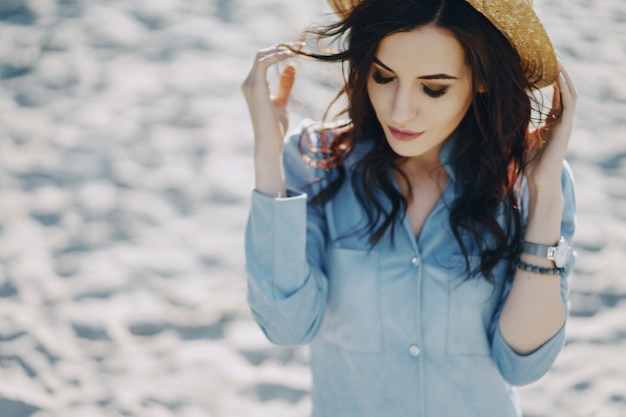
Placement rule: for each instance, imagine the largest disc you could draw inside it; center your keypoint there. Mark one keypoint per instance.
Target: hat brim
(519, 23)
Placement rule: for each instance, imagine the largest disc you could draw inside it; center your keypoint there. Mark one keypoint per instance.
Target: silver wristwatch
(559, 253)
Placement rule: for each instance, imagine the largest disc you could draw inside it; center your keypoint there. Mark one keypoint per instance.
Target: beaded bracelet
(539, 270)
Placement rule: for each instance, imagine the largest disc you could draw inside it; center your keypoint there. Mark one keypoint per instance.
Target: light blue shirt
(395, 331)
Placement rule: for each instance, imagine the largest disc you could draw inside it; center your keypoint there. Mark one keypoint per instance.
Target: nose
(404, 107)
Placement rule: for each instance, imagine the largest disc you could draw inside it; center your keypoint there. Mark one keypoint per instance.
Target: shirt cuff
(277, 239)
(520, 369)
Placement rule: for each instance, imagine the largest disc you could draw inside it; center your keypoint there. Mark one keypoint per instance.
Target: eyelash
(379, 79)
(435, 93)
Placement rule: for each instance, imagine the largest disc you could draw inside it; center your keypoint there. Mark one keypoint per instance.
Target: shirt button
(415, 261)
(414, 351)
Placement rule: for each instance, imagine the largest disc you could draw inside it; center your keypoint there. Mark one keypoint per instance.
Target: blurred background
(125, 175)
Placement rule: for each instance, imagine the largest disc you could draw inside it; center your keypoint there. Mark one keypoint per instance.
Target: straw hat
(517, 21)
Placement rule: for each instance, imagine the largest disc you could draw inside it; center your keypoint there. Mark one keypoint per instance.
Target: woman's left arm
(534, 310)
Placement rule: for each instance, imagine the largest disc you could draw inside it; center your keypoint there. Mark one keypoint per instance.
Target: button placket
(415, 261)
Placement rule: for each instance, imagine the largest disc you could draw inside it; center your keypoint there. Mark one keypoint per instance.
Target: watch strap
(536, 249)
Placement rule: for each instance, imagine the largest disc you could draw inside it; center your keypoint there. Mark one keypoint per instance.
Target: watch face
(563, 251)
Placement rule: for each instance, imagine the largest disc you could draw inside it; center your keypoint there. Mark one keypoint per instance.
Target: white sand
(125, 171)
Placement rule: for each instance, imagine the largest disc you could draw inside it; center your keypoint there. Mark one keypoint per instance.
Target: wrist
(268, 172)
(558, 254)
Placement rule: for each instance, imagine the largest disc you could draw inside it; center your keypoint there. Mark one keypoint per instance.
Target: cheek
(454, 109)
(381, 97)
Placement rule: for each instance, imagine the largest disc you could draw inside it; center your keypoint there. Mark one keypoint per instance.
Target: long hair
(490, 154)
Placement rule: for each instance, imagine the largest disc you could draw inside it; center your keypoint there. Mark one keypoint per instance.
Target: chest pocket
(352, 319)
(472, 303)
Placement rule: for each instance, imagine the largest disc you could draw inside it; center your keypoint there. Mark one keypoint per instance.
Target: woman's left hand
(543, 172)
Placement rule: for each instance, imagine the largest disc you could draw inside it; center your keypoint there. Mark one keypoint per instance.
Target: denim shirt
(393, 331)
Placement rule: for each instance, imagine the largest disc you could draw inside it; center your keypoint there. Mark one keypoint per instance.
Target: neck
(418, 168)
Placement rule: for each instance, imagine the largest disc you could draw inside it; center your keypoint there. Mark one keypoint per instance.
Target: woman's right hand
(269, 115)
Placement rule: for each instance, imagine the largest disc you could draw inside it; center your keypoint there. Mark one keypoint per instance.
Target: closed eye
(379, 79)
(434, 93)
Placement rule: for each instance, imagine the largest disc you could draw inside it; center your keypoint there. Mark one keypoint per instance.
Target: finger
(296, 46)
(556, 98)
(282, 49)
(285, 84)
(564, 92)
(265, 58)
(268, 59)
(541, 135)
(569, 94)
(555, 109)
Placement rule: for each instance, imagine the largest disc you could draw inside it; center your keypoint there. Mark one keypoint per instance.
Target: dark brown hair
(492, 147)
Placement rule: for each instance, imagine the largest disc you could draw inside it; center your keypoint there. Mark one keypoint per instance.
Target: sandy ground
(125, 173)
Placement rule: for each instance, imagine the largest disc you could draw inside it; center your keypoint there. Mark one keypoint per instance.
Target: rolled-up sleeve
(523, 369)
(287, 289)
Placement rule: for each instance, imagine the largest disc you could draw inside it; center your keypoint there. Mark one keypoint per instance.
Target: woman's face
(420, 88)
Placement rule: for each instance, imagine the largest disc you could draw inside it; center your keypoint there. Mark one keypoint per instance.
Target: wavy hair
(493, 149)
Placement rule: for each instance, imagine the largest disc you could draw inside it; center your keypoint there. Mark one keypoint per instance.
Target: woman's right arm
(285, 236)
(269, 117)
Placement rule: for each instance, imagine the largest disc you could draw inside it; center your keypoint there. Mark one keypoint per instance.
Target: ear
(482, 87)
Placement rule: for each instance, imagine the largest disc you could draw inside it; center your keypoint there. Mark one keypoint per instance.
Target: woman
(421, 248)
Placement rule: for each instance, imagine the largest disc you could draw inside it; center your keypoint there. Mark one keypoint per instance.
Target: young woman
(420, 248)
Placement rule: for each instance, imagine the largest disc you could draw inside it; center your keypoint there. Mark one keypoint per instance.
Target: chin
(407, 152)
(414, 148)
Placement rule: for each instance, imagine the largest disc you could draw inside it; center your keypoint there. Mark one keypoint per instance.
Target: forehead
(423, 51)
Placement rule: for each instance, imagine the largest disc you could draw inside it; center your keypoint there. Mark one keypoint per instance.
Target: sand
(125, 175)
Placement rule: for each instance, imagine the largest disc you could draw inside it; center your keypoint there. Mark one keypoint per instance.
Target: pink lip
(404, 135)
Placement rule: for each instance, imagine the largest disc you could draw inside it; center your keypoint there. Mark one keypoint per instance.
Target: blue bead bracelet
(539, 270)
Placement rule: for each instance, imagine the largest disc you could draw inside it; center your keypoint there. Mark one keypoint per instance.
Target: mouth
(404, 135)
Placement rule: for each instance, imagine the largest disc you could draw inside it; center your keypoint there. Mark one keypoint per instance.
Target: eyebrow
(423, 77)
